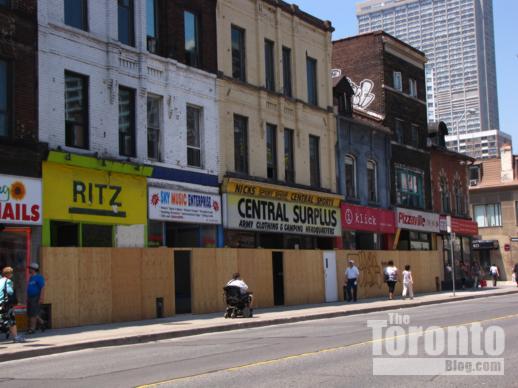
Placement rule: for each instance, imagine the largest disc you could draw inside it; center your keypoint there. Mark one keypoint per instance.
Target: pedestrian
(34, 298)
(408, 283)
(475, 273)
(495, 273)
(515, 271)
(236, 281)
(7, 303)
(391, 273)
(352, 274)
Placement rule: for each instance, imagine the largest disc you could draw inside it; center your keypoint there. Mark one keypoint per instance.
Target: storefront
(93, 203)
(366, 228)
(415, 230)
(279, 217)
(20, 226)
(180, 218)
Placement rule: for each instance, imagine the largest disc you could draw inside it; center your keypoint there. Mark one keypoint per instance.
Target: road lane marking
(315, 352)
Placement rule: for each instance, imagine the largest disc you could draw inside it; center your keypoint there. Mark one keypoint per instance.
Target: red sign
(368, 219)
(464, 227)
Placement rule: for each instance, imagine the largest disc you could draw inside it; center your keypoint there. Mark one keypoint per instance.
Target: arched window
(459, 199)
(445, 195)
(372, 181)
(350, 176)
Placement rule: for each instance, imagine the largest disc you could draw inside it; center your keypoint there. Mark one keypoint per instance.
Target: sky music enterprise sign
(272, 216)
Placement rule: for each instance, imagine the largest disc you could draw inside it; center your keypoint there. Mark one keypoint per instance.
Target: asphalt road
(332, 352)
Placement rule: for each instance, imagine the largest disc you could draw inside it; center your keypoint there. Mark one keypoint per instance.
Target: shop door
(182, 281)
(15, 252)
(278, 278)
(329, 258)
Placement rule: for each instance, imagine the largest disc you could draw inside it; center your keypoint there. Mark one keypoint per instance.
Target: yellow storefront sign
(264, 190)
(87, 195)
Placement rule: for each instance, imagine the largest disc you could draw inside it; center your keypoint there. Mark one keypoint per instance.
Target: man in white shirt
(495, 274)
(352, 273)
(243, 287)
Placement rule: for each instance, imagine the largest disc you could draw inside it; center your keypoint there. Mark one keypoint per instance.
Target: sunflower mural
(18, 191)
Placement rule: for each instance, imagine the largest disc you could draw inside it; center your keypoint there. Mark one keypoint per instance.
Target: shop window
(76, 14)
(155, 234)
(397, 80)
(126, 122)
(350, 177)
(64, 234)
(419, 241)
(96, 235)
(154, 148)
(76, 110)
(269, 66)
(126, 22)
(152, 25)
(372, 181)
(5, 99)
(71, 234)
(286, 71)
(238, 53)
(194, 154)
(271, 151)
(409, 188)
(241, 144)
(289, 160)
(311, 73)
(488, 215)
(192, 39)
(314, 160)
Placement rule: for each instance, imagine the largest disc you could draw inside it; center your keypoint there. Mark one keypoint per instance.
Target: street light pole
(452, 236)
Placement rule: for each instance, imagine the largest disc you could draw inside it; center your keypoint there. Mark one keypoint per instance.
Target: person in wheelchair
(239, 300)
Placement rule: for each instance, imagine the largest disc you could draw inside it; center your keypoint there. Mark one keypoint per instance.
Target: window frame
(241, 54)
(242, 165)
(85, 111)
(414, 135)
(375, 175)
(445, 195)
(312, 79)
(287, 87)
(84, 15)
(399, 134)
(396, 75)
(152, 40)
(411, 197)
(269, 65)
(289, 155)
(412, 87)
(498, 215)
(271, 150)
(197, 24)
(132, 127)
(351, 191)
(314, 161)
(199, 129)
(152, 130)
(9, 76)
(131, 22)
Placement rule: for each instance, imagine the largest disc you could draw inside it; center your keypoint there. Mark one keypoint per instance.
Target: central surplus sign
(272, 216)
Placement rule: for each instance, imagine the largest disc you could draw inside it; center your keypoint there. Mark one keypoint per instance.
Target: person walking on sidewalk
(495, 273)
(7, 303)
(408, 283)
(34, 298)
(352, 274)
(391, 273)
(475, 274)
(515, 271)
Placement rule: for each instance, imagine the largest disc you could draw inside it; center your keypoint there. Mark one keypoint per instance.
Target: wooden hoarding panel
(127, 284)
(157, 273)
(255, 267)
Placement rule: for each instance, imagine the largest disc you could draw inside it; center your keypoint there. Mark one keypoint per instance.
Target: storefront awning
(484, 244)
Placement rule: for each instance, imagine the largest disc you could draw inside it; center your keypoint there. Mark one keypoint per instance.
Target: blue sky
(342, 15)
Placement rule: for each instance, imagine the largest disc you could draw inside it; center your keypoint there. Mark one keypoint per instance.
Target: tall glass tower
(458, 39)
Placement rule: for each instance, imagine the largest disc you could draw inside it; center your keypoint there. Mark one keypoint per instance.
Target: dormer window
(344, 104)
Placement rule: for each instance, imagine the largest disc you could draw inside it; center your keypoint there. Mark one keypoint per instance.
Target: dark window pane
(64, 234)
(289, 167)
(151, 18)
(97, 235)
(241, 144)
(153, 128)
(399, 132)
(125, 22)
(75, 14)
(238, 53)
(192, 56)
(286, 71)
(350, 177)
(4, 100)
(415, 135)
(193, 136)
(371, 181)
(76, 110)
(269, 64)
(126, 122)
(314, 160)
(311, 68)
(271, 151)
(4, 2)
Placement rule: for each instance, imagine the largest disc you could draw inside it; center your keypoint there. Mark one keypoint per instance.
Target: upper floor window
(445, 195)
(152, 25)
(271, 151)
(269, 66)
(311, 70)
(399, 131)
(409, 188)
(487, 215)
(344, 104)
(5, 100)
(126, 22)
(194, 154)
(414, 135)
(350, 176)
(412, 87)
(460, 201)
(398, 83)
(4, 2)
(153, 128)
(289, 160)
(286, 71)
(314, 160)
(372, 181)
(238, 54)
(241, 144)
(76, 110)
(192, 39)
(127, 122)
(75, 13)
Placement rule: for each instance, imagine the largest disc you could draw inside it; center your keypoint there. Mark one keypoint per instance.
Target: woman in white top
(391, 278)
(408, 283)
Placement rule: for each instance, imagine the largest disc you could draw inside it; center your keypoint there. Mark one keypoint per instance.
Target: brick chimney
(506, 160)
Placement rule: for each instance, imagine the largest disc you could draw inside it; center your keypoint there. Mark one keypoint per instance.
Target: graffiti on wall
(362, 93)
(371, 273)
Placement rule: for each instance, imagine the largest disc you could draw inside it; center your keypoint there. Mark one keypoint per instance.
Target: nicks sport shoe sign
(20, 200)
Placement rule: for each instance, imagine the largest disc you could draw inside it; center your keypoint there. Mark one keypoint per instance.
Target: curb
(130, 340)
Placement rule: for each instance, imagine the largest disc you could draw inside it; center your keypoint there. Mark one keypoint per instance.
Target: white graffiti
(362, 96)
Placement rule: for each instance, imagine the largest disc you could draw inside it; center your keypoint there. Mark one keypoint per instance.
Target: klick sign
(20, 200)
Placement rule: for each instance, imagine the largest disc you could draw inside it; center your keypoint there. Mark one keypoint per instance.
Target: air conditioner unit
(473, 182)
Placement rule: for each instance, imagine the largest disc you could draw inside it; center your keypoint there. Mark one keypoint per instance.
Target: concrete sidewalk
(85, 337)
